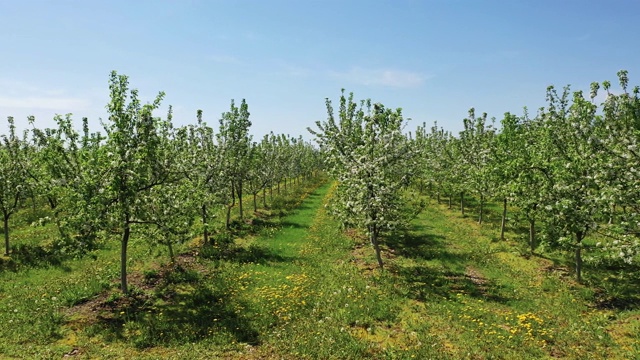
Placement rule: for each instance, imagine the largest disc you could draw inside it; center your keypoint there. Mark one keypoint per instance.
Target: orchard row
(571, 171)
(141, 171)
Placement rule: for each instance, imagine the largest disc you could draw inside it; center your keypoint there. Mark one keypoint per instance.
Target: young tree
(66, 171)
(371, 159)
(203, 168)
(476, 144)
(259, 171)
(133, 159)
(12, 177)
(617, 144)
(571, 205)
(234, 144)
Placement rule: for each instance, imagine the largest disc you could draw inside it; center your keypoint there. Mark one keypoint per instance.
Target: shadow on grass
(184, 308)
(34, 256)
(616, 285)
(454, 275)
(424, 246)
(290, 224)
(428, 284)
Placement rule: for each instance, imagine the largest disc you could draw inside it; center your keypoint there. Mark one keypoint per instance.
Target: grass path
(488, 301)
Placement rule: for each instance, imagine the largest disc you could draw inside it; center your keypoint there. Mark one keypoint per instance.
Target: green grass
(297, 286)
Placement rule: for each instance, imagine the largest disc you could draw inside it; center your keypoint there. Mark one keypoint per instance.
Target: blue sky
(434, 59)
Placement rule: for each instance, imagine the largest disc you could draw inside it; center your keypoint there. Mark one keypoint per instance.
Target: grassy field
(299, 287)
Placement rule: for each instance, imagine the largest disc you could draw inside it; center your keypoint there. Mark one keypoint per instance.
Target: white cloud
(382, 77)
(21, 99)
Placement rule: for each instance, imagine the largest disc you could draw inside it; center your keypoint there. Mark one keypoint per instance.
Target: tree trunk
(532, 234)
(6, 233)
(204, 224)
(233, 193)
(450, 202)
(123, 256)
(613, 211)
(228, 223)
(171, 255)
(52, 203)
(278, 187)
(503, 225)
(271, 193)
(255, 202)
(462, 202)
(481, 209)
(374, 241)
(285, 184)
(264, 197)
(438, 196)
(579, 237)
(239, 191)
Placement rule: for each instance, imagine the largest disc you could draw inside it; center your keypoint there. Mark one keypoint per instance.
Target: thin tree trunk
(233, 193)
(264, 197)
(6, 233)
(532, 234)
(612, 214)
(481, 209)
(438, 196)
(450, 201)
(228, 222)
(56, 215)
(171, 254)
(503, 225)
(271, 193)
(376, 246)
(462, 202)
(239, 191)
(579, 236)
(255, 203)
(52, 203)
(123, 256)
(278, 187)
(204, 224)
(532, 230)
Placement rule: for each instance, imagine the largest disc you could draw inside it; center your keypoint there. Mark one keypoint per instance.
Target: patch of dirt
(359, 254)
(72, 353)
(551, 268)
(475, 277)
(470, 275)
(357, 235)
(103, 306)
(478, 280)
